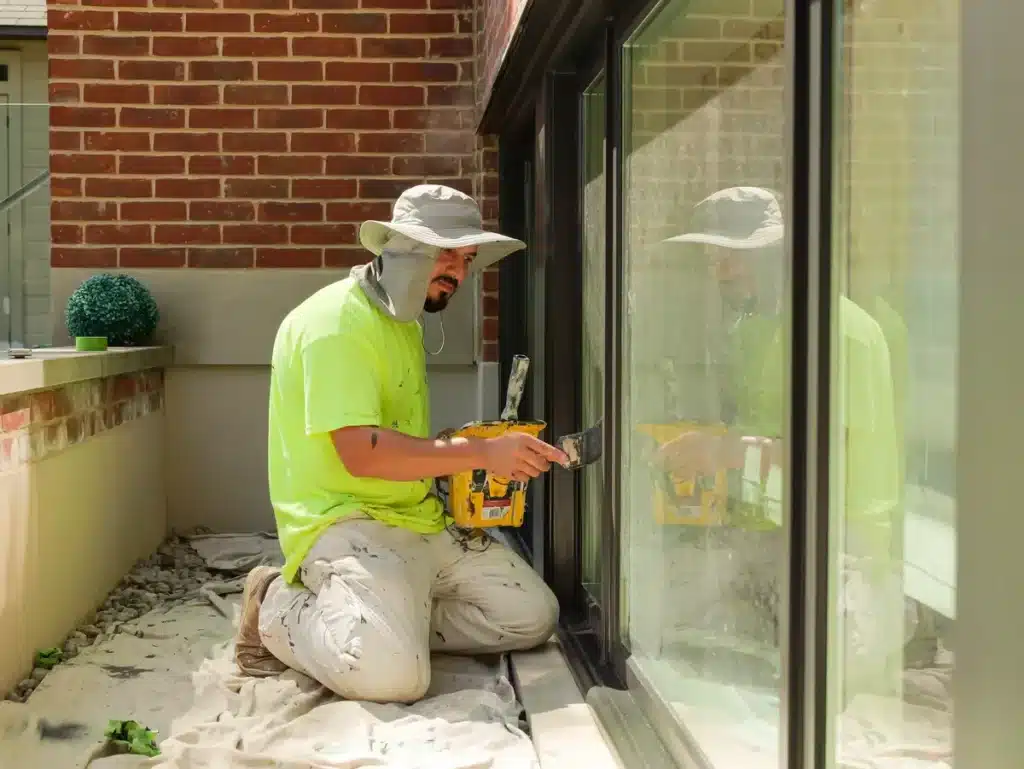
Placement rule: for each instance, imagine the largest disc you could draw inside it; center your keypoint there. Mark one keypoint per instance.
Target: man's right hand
(519, 456)
(700, 453)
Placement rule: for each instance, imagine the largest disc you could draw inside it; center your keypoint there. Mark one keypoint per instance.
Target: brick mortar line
(259, 57)
(135, 176)
(95, 199)
(262, 131)
(186, 130)
(234, 131)
(256, 57)
(206, 155)
(259, 154)
(185, 11)
(248, 34)
(118, 106)
(391, 108)
(387, 84)
(285, 13)
(289, 83)
(327, 83)
(230, 129)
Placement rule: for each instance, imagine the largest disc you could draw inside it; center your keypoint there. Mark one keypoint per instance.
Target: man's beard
(432, 305)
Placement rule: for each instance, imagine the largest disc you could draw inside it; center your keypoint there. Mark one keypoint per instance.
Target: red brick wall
(496, 23)
(34, 426)
(253, 133)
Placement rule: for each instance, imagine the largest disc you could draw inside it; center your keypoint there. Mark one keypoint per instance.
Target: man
(373, 579)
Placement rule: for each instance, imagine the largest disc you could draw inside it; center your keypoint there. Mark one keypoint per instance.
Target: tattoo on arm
(373, 439)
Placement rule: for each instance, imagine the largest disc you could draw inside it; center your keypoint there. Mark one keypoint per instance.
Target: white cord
(440, 318)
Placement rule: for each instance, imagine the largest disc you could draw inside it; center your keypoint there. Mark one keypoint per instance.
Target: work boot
(251, 655)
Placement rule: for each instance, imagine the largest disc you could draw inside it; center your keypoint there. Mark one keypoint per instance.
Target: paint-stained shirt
(338, 362)
(867, 476)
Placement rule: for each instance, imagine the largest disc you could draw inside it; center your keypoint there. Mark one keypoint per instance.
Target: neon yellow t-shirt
(869, 478)
(339, 361)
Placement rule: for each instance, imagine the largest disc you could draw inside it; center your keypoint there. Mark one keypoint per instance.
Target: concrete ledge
(58, 366)
(565, 730)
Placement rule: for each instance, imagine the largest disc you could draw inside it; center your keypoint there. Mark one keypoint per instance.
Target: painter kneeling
(373, 580)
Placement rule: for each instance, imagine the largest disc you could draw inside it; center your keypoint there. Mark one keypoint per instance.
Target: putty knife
(582, 448)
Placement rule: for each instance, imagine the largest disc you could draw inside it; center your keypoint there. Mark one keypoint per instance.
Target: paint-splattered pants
(375, 600)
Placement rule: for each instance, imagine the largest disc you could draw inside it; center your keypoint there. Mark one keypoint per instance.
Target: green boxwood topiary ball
(118, 307)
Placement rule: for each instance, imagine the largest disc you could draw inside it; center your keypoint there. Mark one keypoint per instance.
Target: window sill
(565, 730)
(57, 366)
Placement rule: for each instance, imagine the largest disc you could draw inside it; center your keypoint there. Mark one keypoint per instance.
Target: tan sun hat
(740, 218)
(439, 216)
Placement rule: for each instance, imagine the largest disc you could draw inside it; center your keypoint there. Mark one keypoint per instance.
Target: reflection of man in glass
(740, 231)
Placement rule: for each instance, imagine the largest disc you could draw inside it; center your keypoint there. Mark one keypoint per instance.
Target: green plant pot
(90, 343)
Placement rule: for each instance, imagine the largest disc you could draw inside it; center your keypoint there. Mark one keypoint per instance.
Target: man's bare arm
(375, 452)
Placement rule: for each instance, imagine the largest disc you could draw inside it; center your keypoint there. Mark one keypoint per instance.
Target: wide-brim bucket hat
(443, 217)
(740, 218)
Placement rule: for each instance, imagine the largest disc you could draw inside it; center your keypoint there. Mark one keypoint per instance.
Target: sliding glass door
(896, 267)
(704, 362)
(811, 432)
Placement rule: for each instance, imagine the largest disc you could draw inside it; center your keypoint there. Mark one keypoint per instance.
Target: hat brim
(767, 236)
(491, 246)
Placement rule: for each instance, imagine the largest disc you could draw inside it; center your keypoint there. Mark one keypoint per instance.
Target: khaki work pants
(375, 600)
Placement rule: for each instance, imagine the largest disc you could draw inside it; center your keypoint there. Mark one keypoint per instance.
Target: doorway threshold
(565, 729)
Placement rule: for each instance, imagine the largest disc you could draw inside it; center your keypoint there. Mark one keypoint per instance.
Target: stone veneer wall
(39, 424)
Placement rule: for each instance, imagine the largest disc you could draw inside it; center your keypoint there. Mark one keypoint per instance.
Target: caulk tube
(398, 279)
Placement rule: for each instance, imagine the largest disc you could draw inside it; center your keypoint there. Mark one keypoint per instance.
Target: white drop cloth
(238, 552)
(291, 722)
(470, 718)
(889, 733)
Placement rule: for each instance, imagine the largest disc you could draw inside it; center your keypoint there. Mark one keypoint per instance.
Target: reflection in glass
(893, 514)
(706, 332)
(592, 390)
(25, 225)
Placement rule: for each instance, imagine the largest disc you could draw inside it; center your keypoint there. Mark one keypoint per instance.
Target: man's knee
(534, 617)
(547, 614)
(388, 675)
(328, 639)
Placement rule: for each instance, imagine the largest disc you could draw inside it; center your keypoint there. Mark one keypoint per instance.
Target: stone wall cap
(55, 366)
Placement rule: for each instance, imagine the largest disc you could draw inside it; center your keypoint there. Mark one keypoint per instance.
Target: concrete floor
(147, 679)
(142, 670)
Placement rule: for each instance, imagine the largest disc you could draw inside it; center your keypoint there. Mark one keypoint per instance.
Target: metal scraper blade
(583, 448)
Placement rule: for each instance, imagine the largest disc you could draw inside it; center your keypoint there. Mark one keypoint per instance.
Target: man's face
(449, 271)
(729, 267)
(726, 265)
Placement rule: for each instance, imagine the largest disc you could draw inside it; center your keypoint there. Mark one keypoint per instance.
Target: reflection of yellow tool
(477, 499)
(687, 501)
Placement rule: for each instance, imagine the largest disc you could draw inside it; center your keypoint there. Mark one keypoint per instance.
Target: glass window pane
(593, 198)
(893, 507)
(705, 356)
